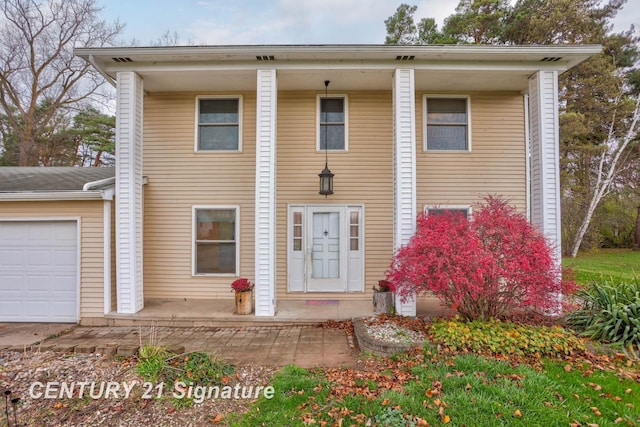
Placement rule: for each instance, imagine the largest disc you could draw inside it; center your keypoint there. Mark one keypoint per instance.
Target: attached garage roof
(56, 183)
(35, 179)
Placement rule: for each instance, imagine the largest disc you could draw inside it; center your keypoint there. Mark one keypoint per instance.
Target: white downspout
(107, 255)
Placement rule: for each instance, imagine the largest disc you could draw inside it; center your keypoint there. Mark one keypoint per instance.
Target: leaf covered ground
(428, 386)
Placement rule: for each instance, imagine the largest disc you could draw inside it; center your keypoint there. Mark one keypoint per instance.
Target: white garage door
(38, 271)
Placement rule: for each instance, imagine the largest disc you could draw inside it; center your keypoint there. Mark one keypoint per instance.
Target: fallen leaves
(596, 387)
(216, 419)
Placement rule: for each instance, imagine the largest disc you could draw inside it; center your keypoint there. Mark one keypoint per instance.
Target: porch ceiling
(445, 80)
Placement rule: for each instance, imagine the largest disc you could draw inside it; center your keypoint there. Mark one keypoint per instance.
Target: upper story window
(219, 123)
(332, 123)
(447, 123)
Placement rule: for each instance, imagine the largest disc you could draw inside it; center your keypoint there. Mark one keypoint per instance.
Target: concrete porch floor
(220, 313)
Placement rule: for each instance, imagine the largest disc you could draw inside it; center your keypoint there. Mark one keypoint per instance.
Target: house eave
(328, 52)
(42, 196)
(188, 68)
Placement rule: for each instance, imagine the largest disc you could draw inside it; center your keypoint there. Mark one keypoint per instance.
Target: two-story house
(219, 151)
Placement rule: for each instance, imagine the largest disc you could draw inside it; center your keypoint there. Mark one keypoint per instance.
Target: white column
(545, 156)
(129, 99)
(265, 269)
(404, 168)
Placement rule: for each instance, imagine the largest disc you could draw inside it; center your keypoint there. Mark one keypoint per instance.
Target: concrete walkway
(305, 346)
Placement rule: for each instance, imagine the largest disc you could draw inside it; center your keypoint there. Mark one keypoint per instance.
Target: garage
(39, 271)
(56, 248)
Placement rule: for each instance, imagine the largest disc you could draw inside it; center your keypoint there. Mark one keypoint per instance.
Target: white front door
(325, 249)
(327, 272)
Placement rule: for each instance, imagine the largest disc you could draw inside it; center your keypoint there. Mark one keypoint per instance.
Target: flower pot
(383, 302)
(244, 302)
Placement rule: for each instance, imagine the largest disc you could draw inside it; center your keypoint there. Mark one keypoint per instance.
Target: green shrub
(152, 362)
(610, 313)
(506, 338)
(156, 364)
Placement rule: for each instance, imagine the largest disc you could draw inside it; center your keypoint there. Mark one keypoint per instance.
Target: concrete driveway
(29, 333)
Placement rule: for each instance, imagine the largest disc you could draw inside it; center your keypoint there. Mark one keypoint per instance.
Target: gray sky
(280, 21)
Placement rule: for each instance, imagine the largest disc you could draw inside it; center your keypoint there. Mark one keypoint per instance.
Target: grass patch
(435, 389)
(156, 364)
(618, 265)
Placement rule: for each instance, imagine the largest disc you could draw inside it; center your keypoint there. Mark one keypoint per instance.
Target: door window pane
(297, 231)
(354, 230)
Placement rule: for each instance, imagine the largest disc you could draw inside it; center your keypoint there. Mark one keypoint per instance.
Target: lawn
(428, 388)
(619, 265)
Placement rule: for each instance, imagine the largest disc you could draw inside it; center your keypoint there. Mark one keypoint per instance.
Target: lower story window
(215, 246)
(441, 210)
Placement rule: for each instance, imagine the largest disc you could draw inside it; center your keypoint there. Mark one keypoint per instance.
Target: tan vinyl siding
(91, 237)
(180, 178)
(363, 176)
(495, 165)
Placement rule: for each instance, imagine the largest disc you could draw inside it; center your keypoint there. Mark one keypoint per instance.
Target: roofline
(102, 58)
(54, 195)
(335, 48)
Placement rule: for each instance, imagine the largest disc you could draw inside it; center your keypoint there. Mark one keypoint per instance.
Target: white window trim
(346, 121)
(468, 208)
(424, 121)
(197, 123)
(194, 209)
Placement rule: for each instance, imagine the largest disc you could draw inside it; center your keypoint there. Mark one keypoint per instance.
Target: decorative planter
(244, 302)
(383, 302)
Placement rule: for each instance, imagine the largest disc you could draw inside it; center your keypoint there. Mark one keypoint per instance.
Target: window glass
(332, 124)
(447, 137)
(442, 211)
(218, 124)
(297, 231)
(354, 231)
(215, 245)
(447, 124)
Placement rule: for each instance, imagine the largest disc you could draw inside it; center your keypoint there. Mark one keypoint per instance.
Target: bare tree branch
(40, 78)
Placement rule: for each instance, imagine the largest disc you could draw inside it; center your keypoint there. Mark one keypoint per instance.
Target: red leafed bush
(484, 267)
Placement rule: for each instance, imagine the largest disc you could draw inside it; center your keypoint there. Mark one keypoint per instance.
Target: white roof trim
(107, 60)
(53, 195)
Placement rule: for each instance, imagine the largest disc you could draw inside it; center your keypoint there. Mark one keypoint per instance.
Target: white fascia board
(319, 52)
(340, 65)
(52, 196)
(289, 56)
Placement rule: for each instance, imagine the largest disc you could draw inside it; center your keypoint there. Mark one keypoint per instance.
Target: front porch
(219, 312)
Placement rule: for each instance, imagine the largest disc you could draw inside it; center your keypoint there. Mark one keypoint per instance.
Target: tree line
(50, 99)
(599, 102)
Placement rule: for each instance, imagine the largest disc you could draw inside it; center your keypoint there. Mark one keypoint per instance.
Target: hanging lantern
(326, 177)
(326, 181)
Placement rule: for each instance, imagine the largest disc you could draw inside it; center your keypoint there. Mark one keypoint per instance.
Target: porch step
(208, 322)
(219, 313)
